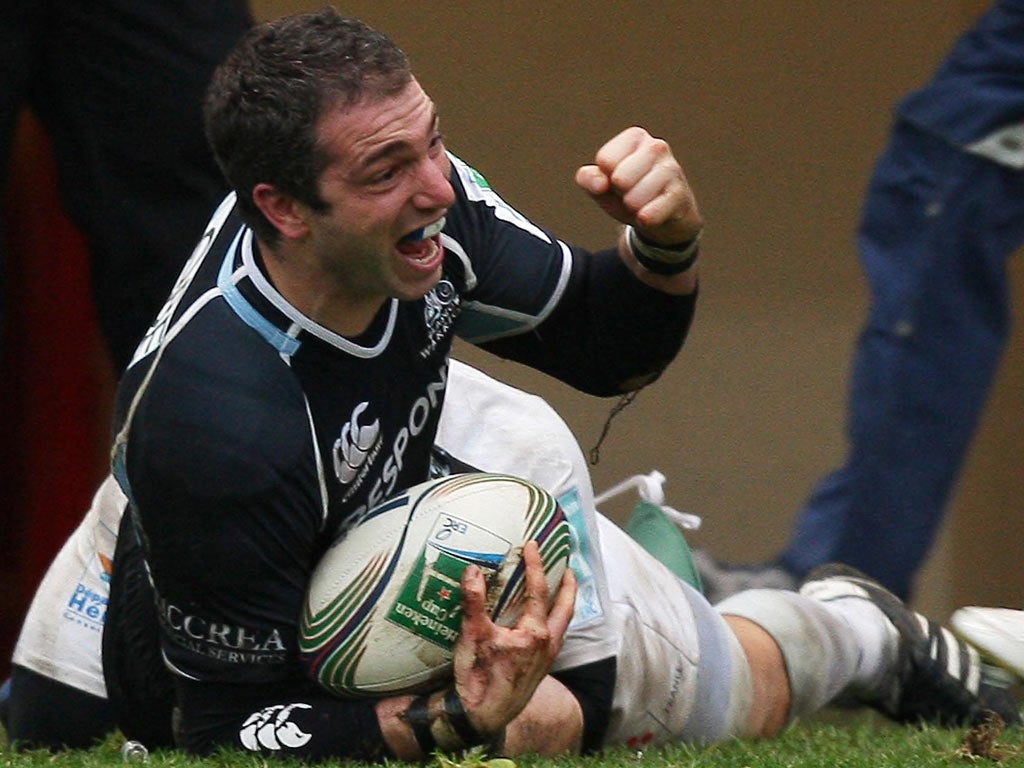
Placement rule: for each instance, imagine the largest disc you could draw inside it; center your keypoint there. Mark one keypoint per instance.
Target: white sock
(829, 650)
(878, 641)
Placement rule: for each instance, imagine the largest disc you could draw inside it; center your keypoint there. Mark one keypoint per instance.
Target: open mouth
(423, 244)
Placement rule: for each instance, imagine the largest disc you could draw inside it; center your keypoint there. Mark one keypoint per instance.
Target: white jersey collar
(300, 321)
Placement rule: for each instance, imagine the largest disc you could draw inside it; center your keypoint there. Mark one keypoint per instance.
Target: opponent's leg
(936, 678)
(845, 636)
(770, 702)
(683, 673)
(819, 655)
(44, 713)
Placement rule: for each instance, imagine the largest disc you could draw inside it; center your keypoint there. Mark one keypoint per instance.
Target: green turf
(835, 740)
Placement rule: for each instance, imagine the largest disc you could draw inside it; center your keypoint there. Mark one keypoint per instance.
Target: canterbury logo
(355, 444)
(272, 728)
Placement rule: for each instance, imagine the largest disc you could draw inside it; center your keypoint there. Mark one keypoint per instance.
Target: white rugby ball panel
(383, 610)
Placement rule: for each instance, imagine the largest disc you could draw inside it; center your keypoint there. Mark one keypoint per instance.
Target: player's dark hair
(265, 101)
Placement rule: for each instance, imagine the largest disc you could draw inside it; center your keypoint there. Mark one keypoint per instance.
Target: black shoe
(720, 580)
(939, 679)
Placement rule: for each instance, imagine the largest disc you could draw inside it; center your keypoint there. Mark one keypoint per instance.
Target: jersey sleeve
(608, 334)
(580, 316)
(294, 719)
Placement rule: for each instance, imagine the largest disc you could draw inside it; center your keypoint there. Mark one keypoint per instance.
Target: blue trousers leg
(938, 227)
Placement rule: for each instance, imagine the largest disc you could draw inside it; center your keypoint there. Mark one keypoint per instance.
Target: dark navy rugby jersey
(248, 435)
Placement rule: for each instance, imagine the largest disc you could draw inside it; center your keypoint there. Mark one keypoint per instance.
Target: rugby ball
(384, 605)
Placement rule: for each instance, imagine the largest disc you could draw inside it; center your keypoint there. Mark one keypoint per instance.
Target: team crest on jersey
(356, 448)
(442, 306)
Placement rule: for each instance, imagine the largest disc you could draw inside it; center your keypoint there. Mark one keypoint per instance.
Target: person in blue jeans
(944, 212)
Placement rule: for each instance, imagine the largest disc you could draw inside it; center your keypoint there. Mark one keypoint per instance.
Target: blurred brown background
(777, 111)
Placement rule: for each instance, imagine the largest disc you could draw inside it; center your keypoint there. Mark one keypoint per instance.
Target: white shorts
(61, 634)
(681, 674)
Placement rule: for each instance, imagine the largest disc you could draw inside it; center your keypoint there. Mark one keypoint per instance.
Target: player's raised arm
(637, 180)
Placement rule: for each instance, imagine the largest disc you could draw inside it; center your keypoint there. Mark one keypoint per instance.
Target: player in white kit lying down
(647, 657)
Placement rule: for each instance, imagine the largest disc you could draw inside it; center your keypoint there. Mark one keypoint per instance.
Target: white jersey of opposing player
(498, 428)
(61, 634)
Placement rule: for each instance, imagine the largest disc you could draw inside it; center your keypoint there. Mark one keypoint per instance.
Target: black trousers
(118, 86)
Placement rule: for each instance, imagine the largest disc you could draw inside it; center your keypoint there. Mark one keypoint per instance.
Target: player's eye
(385, 175)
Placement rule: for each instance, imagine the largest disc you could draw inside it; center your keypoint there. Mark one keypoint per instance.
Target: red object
(55, 384)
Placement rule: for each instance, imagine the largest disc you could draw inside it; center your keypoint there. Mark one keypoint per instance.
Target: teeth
(429, 253)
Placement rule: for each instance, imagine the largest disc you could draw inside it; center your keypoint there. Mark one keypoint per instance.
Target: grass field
(835, 740)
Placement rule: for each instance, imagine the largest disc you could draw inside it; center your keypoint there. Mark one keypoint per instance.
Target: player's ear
(282, 210)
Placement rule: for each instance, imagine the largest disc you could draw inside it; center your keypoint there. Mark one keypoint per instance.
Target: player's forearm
(551, 724)
(413, 727)
(674, 283)
(398, 734)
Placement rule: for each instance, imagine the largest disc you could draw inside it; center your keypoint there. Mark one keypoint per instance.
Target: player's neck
(320, 296)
